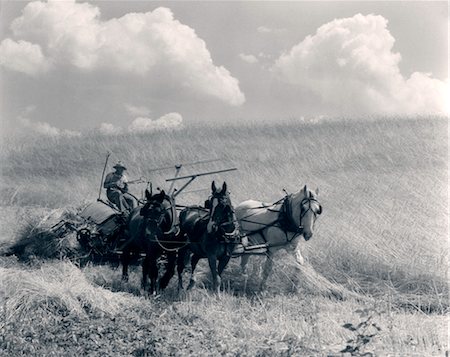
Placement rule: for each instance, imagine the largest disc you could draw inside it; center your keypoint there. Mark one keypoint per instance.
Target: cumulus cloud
(248, 58)
(351, 65)
(265, 29)
(27, 126)
(168, 121)
(137, 110)
(152, 44)
(109, 129)
(144, 125)
(23, 56)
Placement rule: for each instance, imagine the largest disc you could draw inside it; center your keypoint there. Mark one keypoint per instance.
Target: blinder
(308, 201)
(153, 211)
(207, 204)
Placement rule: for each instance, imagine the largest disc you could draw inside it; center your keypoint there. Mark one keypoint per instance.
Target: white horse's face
(305, 209)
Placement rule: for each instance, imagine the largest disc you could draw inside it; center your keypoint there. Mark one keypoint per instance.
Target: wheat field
(379, 253)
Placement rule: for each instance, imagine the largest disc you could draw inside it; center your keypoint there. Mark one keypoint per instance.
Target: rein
(285, 219)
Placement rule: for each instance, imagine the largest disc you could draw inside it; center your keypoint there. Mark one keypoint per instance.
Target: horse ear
(317, 191)
(224, 187)
(213, 187)
(305, 189)
(148, 195)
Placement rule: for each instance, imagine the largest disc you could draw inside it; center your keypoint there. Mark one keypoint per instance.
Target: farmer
(116, 184)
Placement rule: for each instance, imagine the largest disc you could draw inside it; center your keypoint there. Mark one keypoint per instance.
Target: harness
(285, 220)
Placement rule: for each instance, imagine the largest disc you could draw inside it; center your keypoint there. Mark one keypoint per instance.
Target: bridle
(224, 201)
(151, 217)
(303, 211)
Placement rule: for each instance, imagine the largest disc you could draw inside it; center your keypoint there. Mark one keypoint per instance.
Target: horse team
(216, 231)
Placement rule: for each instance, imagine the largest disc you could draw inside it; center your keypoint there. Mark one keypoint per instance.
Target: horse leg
(212, 260)
(145, 266)
(125, 259)
(266, 270)
(170, 270)
(180, 267)
(244, 262)
(223, 261)
(194, 260)
(298, 254)
(153, 272)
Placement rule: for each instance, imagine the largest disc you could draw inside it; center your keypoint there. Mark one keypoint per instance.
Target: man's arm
(109, 181)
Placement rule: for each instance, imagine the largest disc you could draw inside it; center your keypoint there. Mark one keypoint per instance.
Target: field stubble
(381, 242)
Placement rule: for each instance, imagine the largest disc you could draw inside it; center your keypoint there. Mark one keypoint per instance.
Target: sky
(126, 66)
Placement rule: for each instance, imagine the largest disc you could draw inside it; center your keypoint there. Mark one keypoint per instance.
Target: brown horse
(150, 230)
(212, 233)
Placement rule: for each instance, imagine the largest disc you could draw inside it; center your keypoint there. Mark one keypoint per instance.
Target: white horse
(277, 226)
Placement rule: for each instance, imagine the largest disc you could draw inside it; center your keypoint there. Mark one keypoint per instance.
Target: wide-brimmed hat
(119, 165)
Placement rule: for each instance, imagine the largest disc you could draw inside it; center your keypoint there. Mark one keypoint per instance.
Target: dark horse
(151, 230)
(212, 233)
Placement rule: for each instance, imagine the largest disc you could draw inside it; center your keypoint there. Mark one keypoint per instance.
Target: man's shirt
(115, 181)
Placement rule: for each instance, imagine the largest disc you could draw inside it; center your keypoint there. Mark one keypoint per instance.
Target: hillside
(382, 235)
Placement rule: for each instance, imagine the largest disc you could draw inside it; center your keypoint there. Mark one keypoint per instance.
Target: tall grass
(383, 232)
(383, 183)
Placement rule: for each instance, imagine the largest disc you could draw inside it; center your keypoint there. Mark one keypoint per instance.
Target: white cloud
(23, 56)
(109, 129)
(144, 125)
(27, 126)
(265, 29)
(167, 121)
(248, 58)
(351, 65)
(135, 111)
(153, 45)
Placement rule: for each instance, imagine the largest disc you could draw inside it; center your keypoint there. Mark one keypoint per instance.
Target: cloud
(248, 58)
(23, 56)
(27, 126)
(152, 45)
(144, 125)
(109, 129)
(137, 110)
(167, 121)
(351, 65)
(265, 29)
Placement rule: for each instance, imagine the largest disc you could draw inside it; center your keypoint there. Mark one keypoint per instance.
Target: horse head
(153, 212)
(304, 209)
(221, 213)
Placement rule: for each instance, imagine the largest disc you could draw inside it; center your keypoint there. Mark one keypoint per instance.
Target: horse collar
(287, 222)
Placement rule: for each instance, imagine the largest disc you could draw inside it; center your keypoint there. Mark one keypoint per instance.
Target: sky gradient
(139, 66)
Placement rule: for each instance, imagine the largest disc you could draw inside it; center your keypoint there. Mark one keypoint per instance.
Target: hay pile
(57, 288)
(37, 239)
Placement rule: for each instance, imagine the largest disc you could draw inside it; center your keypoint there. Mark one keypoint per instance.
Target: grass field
(380, 245)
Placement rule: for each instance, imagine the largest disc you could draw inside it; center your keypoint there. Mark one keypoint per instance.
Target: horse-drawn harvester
(100, 226)
(217, 230)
